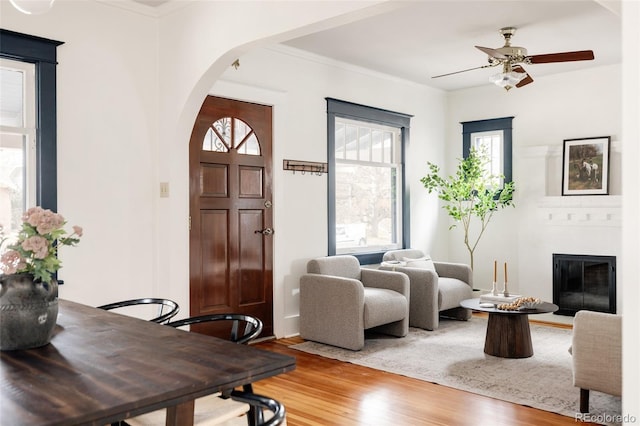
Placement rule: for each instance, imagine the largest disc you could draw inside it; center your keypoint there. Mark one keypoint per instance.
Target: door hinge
(189, 223)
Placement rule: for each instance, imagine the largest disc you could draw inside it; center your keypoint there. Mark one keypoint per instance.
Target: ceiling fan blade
(581, 55)
(491, 52)
(469, 69)
(524, 81)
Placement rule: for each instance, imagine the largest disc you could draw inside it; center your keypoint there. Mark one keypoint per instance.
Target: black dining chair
(240, 329)
(258, 403)
(167, 309)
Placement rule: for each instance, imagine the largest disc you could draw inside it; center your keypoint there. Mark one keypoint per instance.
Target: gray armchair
(339, 300)
(433, 292)
(596, 350)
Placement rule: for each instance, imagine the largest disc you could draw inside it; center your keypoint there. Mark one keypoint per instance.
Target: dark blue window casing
(338, 108)
(504, 124)
(41, 52)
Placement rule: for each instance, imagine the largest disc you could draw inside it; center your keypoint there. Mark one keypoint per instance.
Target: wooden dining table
(102, 367)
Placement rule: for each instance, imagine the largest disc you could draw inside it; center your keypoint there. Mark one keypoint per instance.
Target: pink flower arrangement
(35, 250)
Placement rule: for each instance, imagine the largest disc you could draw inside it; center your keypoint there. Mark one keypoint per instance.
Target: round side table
(508, 332)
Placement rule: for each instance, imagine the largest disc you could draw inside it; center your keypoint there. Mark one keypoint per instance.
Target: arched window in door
(228, 134)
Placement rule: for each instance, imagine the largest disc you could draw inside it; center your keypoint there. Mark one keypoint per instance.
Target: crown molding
(134, 6)
(323, 60)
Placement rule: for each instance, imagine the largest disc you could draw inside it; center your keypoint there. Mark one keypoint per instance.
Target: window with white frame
(17, 142)
(491, 145)
(28, 124)
(367, 195)
(493, 137)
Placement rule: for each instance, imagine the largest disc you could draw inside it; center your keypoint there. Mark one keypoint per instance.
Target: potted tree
(472, 193)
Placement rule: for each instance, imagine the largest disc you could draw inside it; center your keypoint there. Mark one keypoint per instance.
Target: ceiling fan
(511, 58)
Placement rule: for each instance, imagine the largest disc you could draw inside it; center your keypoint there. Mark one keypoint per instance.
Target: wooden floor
(324, 391)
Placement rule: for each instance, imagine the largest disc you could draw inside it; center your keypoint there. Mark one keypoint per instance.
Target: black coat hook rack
(305, 166)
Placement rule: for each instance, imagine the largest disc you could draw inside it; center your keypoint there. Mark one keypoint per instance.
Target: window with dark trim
(368, 205)
(494, 134)
(42, 53)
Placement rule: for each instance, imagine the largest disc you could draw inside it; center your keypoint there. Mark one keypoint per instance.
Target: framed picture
(585, 166)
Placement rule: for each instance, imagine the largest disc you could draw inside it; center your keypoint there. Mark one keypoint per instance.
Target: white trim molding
(596, 210)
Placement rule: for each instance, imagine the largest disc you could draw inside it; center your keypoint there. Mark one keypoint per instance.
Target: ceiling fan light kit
(510, 57)
(507, 79)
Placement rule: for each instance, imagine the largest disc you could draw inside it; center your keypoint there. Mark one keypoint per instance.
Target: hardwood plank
(323, 391)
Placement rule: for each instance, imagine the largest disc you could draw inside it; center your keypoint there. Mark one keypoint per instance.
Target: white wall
(107, 128)
(630, 270)
(128, 98)
(297, 84)
(129, 89)
(196, 48)
(546, 112)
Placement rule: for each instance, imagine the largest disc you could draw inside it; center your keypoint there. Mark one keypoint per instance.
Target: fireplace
(584, 282)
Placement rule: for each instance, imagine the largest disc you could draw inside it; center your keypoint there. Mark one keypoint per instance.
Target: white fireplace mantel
(590, 210)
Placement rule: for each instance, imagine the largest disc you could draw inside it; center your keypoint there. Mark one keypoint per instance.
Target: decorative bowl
(531, 305)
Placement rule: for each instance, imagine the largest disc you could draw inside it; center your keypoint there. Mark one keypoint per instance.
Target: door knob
(265, 231)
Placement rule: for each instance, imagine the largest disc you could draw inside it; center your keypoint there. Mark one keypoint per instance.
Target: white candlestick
(505, 293)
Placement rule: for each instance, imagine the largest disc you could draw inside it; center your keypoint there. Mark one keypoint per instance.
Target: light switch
(164, 189)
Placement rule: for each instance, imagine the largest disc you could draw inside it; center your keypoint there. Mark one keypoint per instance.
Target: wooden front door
(231, 243)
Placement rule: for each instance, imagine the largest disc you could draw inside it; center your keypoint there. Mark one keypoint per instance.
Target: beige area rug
(454, 356)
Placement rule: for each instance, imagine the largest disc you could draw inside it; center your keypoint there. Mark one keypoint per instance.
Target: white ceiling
(423, 38)
(428, 38)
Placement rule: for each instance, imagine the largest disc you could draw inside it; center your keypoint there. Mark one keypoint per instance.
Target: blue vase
(28, 311)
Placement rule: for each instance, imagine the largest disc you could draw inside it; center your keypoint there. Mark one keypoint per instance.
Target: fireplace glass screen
(584, 282)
